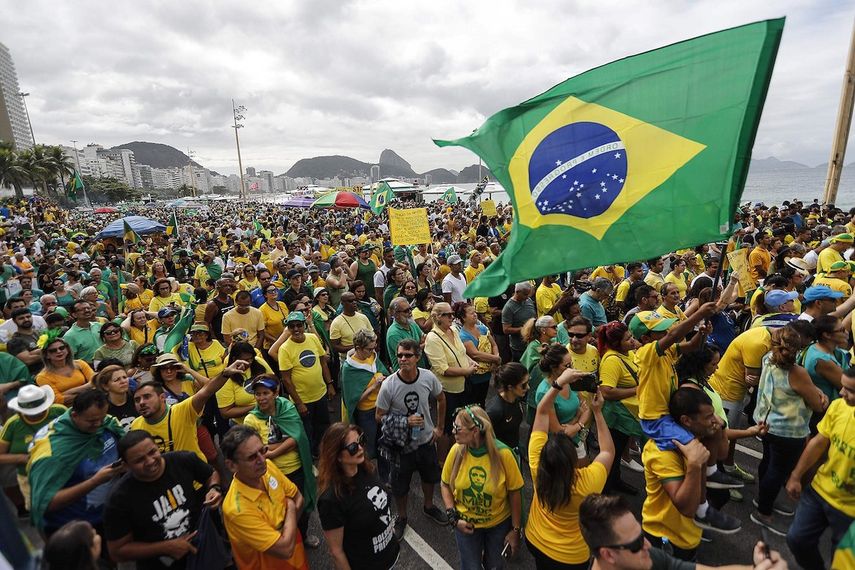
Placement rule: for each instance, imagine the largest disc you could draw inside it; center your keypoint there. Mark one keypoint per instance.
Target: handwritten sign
(409, 227)
(488, 208)
(738, 260)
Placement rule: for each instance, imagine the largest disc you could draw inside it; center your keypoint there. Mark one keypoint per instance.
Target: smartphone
(506, 551)
(116, 464)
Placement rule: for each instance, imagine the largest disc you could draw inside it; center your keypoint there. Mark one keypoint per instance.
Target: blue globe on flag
(578, 170)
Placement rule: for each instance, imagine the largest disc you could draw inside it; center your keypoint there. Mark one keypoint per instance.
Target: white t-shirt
(455, 286)
(9, 328)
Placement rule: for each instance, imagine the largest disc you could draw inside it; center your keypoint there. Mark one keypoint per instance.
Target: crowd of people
(194, 398)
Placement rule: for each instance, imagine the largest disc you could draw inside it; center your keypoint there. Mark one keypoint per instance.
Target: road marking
(749, 451)
(423, 549)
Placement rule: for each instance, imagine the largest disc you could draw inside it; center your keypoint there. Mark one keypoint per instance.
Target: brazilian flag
(449, 196)
(176, 336)
(75, 184)
(172, 226)
(130, 236)
(638, 157)
(844, 556)
(382, 196)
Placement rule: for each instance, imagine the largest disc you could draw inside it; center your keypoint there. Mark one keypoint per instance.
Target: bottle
(416, 431)
(667, 547)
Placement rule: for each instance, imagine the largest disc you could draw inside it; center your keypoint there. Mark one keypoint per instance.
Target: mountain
(328, 167)
(441, 176)
(157, 155)
(772, 164)
(470, 174)
(391, 164)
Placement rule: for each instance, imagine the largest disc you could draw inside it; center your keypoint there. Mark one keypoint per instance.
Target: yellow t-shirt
(835, 479)
(233, 394)
(836, 285)
(158, 303)
(289, 461)
(209, 361)
(657, 379)
(144, 336)
(556, 533)
(371, 401)
(622, 291)
(252, 321)
(303, 359)
(481, 496)
(758, 257)
(472, 272)
(655, 280)
(587, 362)
(181, 417)
(254, 519)
(615, 372)
(615, 275)
(660, 517)
(82, 374)
(274, 319)
(827, 257)
(545, 298)
(344, 327)
(247, 285)
(146, 297)
(679, 281)
(746, 351)
(677, 313)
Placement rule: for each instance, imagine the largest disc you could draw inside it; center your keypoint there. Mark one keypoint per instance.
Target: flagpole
(844, 122)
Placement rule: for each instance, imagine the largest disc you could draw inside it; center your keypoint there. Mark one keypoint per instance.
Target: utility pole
(192, 174)
(238, 111)
(841, 132)
(77, 160)
(27, 111)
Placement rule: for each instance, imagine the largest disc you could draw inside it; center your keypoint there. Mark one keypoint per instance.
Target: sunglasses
(633, 546)
(353, 448)
(112, 331)
(402, 355)
(56, 349)
(577, 335)
(173, 367)
(446, 314)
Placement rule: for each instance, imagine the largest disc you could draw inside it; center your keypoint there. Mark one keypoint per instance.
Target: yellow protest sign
(738, 260)
(409, 227)
(488, 208)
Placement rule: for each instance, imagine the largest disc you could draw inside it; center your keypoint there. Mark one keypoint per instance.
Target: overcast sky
(322, 77)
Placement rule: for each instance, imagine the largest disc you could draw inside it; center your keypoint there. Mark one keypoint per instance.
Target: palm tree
(61, 164)
(12, 173)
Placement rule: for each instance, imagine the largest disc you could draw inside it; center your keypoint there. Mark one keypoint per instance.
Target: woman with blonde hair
(536, 333)
(362, 374)
(66, 376)
(481, 489)
(449, 362)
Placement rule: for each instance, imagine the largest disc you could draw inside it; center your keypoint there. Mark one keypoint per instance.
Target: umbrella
(340, 200)
(298, 202)
(106, 210)
(142, 226)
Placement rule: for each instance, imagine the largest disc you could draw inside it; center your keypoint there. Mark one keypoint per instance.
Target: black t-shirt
(126, 413)
(367, 520)
(506, 419)
(19, 343)
(159, 510)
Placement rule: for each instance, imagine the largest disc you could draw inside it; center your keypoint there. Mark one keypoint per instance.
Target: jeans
(544, 562)
(483, 548)
(620, 440)
(813, 516)
(316, 422)
(780, 455)
(365, 420)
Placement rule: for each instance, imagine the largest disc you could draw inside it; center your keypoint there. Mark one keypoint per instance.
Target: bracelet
(556, 386)
(453, 516)
(517, 530)
(216, 487)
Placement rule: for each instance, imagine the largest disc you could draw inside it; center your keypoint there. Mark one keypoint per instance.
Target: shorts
(424, 460)
(663, 430)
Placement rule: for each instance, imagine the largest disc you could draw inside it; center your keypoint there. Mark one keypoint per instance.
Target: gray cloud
(330, 76)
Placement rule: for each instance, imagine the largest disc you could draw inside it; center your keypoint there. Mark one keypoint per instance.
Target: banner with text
(409, 227)
(738, 260)
(488, 208)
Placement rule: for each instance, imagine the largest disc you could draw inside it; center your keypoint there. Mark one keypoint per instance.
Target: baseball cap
(649, 321)
(293, 273)
(265, 382)
(777, 297)
(452, 259)
(842, 238)
(199, 328)
(296, 316)
(840, 266)
(818, 292)
(165, 312)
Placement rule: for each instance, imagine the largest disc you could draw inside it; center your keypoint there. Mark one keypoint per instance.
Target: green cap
(649, 321)
(296, 317)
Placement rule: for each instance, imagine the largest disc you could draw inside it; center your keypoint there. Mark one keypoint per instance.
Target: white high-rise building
(14, 126)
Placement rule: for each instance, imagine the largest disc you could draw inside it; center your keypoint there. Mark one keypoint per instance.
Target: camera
(587, 383)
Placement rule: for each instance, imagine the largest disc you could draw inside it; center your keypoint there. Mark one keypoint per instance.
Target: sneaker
(769, 522)
(312, 541)
(779, 507)
(433, 513)
(633, 465)
(706, 536)
(739, 473)
(721, 480)
(735, 495)
(718, 521)
(399, 528)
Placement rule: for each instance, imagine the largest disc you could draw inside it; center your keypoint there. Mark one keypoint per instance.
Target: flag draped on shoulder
(638, 157)
(58, 449)
(383, 194)
(449, 196)
(129, 234)
(172, 226)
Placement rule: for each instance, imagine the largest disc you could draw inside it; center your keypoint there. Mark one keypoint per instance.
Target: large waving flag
(381, 197)
(449, 196)
(172, 226)
(178, 333)
(75, 184)
(629, 160)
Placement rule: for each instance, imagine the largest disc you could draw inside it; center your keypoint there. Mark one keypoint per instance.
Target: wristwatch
(556, 386)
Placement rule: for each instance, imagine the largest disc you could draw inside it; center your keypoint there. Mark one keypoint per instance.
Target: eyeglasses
(112, 331)
(402, 355)
(56, 350)
(633, 546)
(577, 335)
(352, 448)
(446, 314)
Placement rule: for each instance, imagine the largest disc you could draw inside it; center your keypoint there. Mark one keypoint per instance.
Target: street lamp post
(190, 154)
(238, 111)
(77, 173)
(27, 112)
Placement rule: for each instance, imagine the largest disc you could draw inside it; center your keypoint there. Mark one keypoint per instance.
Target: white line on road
(749, 451)
(423, 549)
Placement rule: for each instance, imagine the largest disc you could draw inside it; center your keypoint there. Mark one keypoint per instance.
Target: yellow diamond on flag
(585, 165)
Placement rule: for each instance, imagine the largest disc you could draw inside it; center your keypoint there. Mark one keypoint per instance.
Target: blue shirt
(592, 309)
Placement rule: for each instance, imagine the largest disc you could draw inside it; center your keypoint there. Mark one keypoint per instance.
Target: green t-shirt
(84, 342)
(19, 433)
(396, 334)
